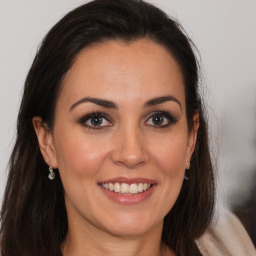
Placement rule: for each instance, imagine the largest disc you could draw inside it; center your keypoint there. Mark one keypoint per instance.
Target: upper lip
(129, 180)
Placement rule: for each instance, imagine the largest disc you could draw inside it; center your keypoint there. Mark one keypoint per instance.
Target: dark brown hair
(33, 215)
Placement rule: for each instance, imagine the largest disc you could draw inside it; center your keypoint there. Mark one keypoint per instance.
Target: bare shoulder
(226, 236)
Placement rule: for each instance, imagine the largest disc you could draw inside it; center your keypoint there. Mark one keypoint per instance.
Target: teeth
(133, 189)
(140, 187)
(146, 186)
(110, 187)
(117, 187)
(125, 188)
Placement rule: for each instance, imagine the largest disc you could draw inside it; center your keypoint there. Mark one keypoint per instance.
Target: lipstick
(128, 191)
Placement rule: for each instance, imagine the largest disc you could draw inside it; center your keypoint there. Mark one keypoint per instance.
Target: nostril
(130, 161)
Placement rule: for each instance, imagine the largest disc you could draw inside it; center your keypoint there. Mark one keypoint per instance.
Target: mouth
(128, 190)
(125, 188)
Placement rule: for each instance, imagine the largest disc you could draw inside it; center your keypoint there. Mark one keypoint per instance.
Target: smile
(126, 189)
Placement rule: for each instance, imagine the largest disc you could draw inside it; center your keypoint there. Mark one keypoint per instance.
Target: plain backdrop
(223, 31)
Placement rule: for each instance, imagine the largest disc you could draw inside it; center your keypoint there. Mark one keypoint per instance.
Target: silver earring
(186, 172)
(51, 175)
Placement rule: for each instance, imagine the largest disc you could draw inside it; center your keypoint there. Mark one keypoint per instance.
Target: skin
(129, 144)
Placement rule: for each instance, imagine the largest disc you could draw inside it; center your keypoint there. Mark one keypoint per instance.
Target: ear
(45, 141)
(192, 137)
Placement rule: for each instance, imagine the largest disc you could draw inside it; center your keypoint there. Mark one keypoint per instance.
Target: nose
(130, 149)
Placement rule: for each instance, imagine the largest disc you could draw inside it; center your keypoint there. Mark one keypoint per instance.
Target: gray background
(224, 32)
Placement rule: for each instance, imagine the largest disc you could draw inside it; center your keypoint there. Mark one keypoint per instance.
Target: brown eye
(161, 120)
(158, 120)
(95, 121)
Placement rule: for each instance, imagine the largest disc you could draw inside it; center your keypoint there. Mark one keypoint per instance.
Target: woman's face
(120, 139)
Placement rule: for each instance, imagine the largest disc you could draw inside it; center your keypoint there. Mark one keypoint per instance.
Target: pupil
(157, 120)
(96, 121)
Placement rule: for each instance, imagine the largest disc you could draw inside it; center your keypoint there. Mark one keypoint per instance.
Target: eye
(96, 120)
(161, 119)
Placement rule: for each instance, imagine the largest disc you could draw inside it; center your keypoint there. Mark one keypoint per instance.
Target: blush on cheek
(82, 158)
(170, 152)
(172, 164)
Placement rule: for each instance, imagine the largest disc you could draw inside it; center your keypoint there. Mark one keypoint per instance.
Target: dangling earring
(186, 172)
(51, 175)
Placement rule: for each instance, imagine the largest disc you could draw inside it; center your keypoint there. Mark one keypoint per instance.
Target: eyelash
(170, 119)
(167, 117)
(90, 116)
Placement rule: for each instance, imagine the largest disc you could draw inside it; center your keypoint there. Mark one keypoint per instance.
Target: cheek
(170, 154)
(80, 161)
(80, 156)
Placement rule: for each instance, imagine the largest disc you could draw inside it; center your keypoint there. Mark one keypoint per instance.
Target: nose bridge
(130, 149)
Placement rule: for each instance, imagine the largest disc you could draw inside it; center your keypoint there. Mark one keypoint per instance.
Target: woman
(112, 155)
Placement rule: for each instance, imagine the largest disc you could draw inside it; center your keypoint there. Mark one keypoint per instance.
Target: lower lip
(129, 199)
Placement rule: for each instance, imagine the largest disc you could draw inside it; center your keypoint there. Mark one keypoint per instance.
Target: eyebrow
(100, 102)
(110, 104)
(162, 99)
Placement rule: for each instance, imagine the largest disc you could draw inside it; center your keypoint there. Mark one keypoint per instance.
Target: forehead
(121, 71)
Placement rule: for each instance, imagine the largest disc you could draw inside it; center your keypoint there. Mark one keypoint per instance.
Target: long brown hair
(33, 215)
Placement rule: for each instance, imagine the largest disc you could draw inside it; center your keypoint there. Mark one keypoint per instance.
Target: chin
(130, 225)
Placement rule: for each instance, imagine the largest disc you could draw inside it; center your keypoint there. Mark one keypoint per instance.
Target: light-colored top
(226, 237)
